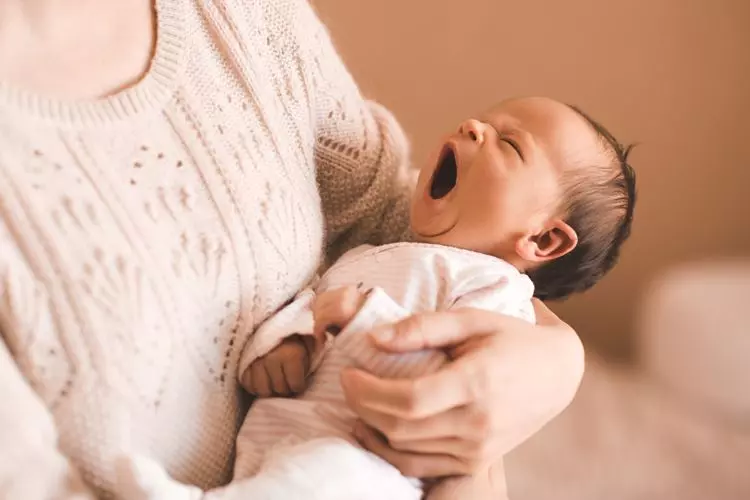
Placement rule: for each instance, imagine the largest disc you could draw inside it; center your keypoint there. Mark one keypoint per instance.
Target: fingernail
(383, 334)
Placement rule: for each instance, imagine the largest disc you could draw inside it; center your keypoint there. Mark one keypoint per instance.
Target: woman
(167, 176)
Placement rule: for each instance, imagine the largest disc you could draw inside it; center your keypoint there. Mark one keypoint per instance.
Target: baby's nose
(473, 129)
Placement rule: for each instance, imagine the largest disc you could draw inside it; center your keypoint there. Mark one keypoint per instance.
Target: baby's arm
(505, 294)
(287, 347)
(283, 351)
(376, 308)
(499, 289)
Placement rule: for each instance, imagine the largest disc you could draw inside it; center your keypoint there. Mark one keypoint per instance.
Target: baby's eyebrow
(505, 136)
(497, 130)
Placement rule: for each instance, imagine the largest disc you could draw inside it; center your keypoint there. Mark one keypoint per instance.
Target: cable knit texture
(144, 236)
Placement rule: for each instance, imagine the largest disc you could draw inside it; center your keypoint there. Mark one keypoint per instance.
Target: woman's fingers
(436, 330)
(408, 398)
(410, 464)
(459, 423)
(461, 432)
(513, 375)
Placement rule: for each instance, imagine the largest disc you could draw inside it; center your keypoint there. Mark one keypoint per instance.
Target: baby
(529, 198)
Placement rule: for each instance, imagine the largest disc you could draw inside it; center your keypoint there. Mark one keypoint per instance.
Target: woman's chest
(169, 242)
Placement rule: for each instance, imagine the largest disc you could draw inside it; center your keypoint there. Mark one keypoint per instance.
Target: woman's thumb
(434, 330)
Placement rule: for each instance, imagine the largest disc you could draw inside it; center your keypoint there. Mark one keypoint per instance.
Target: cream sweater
(143, 237)
(302, 448)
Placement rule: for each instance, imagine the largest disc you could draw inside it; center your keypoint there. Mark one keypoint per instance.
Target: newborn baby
(529, 198)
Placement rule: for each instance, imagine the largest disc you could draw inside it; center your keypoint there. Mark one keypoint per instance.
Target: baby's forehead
(558, 130)
(535, 113)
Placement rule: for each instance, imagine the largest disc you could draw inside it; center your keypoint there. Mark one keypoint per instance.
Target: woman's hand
(506, 380)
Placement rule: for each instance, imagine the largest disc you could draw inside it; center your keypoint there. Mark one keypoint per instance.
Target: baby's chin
(423, 233)
(416, 235)
(443, 238)
(418, 238)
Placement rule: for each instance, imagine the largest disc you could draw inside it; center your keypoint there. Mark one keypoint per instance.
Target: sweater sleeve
(295, 318)
(361, 154)
(32, 467)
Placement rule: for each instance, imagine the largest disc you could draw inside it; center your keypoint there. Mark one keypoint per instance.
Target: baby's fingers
(258, 382)
(275, 369)
(295, 372)
(328, 318)
(334, 309)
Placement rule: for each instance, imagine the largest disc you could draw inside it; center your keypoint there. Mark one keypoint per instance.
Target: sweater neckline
(152, 91)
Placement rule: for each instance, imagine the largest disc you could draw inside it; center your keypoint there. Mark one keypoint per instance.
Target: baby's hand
(283, 371)
(334, 309)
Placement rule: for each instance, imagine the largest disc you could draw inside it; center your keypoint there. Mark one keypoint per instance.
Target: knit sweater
(144, 236)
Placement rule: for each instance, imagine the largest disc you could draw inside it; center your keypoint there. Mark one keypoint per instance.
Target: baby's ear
(556, 239)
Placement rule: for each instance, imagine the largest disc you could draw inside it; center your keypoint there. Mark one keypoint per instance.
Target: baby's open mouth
(445, 176)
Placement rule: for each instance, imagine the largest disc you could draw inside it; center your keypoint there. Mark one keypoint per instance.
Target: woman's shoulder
(290, 13)
(285, 26)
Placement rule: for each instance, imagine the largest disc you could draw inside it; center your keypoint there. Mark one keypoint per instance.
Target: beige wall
(673, 75)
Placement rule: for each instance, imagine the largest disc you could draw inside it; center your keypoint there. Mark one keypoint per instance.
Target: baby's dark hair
(599, 206)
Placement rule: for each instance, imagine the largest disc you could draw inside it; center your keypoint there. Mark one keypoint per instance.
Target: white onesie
(302, 448)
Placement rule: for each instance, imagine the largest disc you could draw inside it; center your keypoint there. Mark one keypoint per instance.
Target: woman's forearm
(559, 358)
(545, 316)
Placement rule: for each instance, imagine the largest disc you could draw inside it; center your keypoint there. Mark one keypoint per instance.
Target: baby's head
(537, 183)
